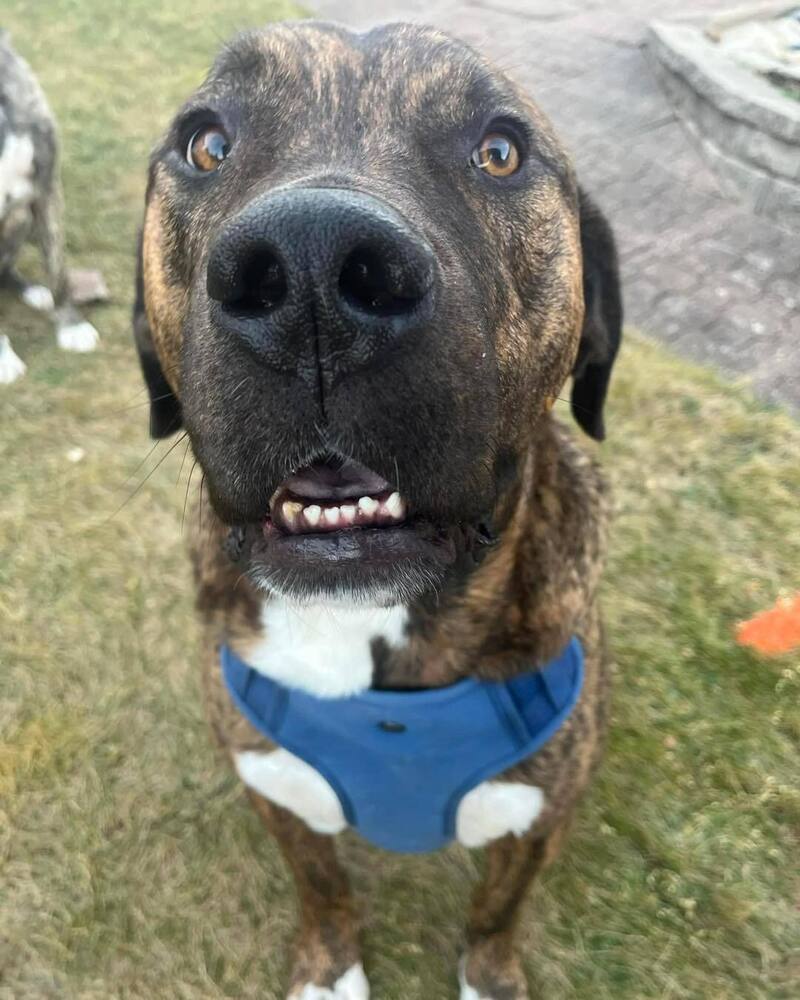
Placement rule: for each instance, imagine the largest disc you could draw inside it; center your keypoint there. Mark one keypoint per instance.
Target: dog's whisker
(173, 424)
(155, 468)
(136, 395)
(186, 496)
(167, 370)
(577, 406)
(183, 461)
(200, 503)
(141, 403)
(142, 463)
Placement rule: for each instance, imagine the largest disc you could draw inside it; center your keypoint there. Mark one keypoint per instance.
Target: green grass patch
(130, 864)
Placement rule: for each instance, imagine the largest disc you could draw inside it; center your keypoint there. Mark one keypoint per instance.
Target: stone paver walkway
(701, 272)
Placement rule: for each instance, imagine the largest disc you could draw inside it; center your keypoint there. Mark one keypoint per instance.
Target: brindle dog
(366, 273)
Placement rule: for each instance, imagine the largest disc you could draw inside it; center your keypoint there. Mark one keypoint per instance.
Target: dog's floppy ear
(602, 321)
(165, 407)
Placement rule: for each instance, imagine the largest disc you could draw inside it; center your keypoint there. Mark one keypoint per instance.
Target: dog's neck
(519, 607)
(508, 613)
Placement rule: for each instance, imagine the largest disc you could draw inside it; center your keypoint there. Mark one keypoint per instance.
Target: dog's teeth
(312, 514)
(290, 510)
(395, 505)
(366, 511)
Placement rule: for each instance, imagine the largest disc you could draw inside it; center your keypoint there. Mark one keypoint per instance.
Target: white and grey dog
(31, 207)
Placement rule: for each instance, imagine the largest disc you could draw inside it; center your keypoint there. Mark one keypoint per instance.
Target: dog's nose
(321, 282)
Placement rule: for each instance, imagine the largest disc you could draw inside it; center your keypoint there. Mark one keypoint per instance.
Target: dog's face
(362, 272)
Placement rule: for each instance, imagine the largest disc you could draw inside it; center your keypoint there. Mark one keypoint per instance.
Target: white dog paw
(353, 985)
(11, 365)
(81, 337)
(38, 297)
(467, 992)
(495, 809)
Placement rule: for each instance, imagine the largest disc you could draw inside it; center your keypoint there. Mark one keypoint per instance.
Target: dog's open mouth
(335, 526)
(331, 495)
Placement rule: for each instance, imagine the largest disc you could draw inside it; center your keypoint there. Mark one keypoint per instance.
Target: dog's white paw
(38, 297)
(81, 337)
(467, 992)
(496, 808)
(11, 364)
(353, 985)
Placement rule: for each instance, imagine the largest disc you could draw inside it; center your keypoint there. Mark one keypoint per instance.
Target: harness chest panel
(401, 761)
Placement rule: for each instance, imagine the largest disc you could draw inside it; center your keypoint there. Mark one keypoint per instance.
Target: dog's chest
(16, 172)
(324, 648)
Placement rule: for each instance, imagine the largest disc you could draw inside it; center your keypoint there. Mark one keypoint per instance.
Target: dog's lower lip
(368, 548)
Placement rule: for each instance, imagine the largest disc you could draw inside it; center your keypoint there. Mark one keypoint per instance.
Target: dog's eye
(497, 154)
(207, 148)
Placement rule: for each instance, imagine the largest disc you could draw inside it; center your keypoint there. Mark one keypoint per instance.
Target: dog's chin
(379, 567)
(337, 531)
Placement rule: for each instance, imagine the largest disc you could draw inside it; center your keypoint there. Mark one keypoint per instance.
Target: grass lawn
(130, 864)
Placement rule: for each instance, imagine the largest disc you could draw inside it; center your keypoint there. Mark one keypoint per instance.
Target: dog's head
(366, 271)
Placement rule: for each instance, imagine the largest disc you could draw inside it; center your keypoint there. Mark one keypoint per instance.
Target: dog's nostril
(262, 285)
(371, 283)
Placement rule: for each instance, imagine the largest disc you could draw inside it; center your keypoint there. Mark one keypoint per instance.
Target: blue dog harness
(401, 761)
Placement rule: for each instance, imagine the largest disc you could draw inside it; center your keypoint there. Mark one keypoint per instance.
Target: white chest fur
(325, 649)
(16, 171)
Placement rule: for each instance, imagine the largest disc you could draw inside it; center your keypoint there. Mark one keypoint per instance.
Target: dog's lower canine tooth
(312, 514)
(395, 505)
(368, 505)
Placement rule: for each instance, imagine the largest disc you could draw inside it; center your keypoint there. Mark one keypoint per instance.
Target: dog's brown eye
(207, 148)
(497, 155)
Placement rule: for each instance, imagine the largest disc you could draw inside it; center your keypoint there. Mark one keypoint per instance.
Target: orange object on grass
(774, 631)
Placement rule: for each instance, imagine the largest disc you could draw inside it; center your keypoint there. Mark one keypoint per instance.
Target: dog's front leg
(72, 331)
(491, 969)
(327, 961)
